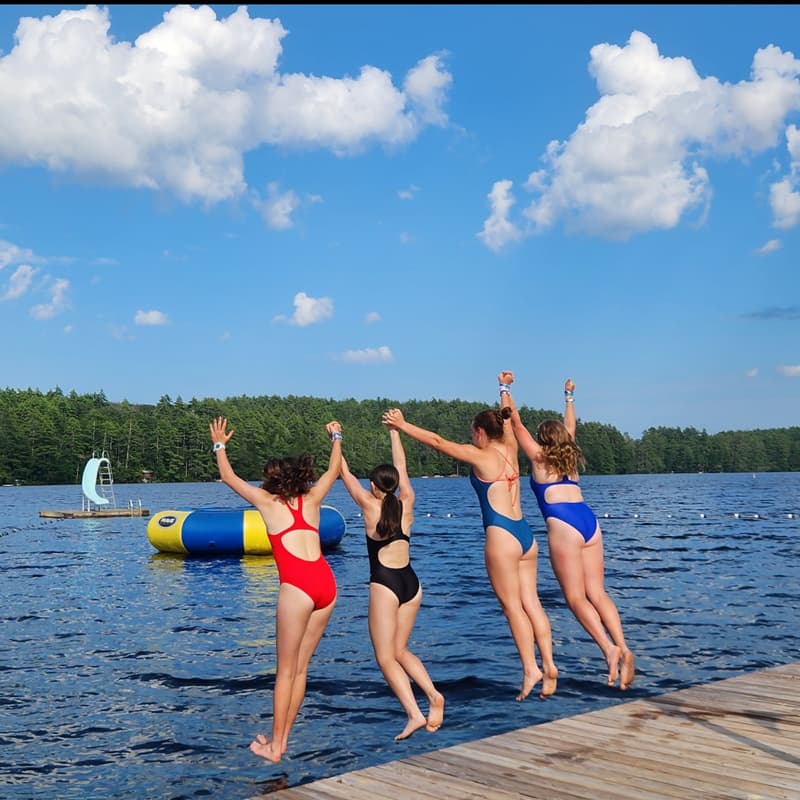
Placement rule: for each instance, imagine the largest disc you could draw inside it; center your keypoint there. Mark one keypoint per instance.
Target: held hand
(393, 418)
(333, 427)
(569, 386)
(218, 430)
(506, 376)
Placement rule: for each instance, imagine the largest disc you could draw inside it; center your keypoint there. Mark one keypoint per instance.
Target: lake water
(127, 673)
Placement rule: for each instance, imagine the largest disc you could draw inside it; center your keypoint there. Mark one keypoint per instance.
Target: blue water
(129, 673)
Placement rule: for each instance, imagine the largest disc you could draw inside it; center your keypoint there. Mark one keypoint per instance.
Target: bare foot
(549, 682)
(529, 680)
(613, 664)
(262, 746)
(411, 726)
(628, 670)
(435, 713)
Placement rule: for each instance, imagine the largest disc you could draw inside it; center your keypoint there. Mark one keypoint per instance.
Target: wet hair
(560, 451)
(289, 477)
(387, 478)
(491, 421)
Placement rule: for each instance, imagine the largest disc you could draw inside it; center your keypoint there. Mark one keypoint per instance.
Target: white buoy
(702, 516)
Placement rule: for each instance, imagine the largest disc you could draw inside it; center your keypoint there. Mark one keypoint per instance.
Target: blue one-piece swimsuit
(518, 528)
(576, 514)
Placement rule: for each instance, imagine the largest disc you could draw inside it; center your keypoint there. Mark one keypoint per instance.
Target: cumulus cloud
(408, 194)
(751, 373)
(150, 318)
(790, 372)
(309, 310)
(58, 301)
(637, 161)
(372, 316)
(177, 109)
(784, 197)
(498, 230)
(278, 207)
(370, 355)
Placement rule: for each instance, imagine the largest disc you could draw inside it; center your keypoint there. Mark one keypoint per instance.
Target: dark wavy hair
(491, 421)
(289, 477)
(387, 478)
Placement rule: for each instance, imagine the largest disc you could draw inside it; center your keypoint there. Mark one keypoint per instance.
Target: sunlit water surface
(129, 673)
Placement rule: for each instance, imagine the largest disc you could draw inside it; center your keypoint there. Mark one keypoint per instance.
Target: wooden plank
(735, 739)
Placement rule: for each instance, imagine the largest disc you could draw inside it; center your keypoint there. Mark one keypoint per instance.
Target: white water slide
(89, 481)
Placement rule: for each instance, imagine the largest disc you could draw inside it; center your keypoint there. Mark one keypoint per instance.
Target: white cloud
(790, 372)
(150, 318)
(408, 194)
(498, 230)
(769, 247)
(11, 254)
(784, 197)
(278, 208)
(636, 162)
(19, 282)
(426, 86)
(751, 373)
(369, 355)
(310, 310)
(178, 108)
(372, 316)
(58, 301)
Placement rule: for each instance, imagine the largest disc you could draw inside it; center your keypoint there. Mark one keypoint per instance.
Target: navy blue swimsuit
(576, 514)
(518, 528)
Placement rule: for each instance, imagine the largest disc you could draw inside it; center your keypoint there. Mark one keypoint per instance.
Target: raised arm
(393, 418)
(353, 485)
(570, 422)
(220, 436)
(405, 490)
(329, 477)
(529, 445)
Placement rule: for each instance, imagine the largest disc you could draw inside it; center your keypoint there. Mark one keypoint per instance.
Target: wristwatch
(219, 446)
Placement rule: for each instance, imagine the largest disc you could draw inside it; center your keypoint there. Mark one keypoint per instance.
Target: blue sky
(400, 201)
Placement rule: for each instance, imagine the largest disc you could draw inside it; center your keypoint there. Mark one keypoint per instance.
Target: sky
(400, 201)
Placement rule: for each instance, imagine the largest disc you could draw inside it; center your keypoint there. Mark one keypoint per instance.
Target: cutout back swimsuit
(315, 578)
(518, 528)
(575, 514)
(403, 581)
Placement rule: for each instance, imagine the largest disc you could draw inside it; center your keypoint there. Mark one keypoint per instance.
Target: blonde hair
(561, 453)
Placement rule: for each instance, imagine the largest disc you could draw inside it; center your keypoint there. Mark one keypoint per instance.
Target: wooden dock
(95, 513)
(735, 739)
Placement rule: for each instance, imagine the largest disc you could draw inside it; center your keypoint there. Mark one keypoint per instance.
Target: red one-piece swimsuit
(315, 578)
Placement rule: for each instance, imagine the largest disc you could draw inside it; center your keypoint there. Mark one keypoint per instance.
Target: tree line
(46, 438)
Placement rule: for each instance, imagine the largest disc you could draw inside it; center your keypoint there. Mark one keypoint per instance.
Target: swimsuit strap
(511, 480)
(299, 520)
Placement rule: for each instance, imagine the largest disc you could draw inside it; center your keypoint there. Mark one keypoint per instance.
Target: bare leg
(414, 668)
(593, 571)
(383, 631)
(314, 631)
(294, 615)
(502, 555)
(578, 566)
(539, 620)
